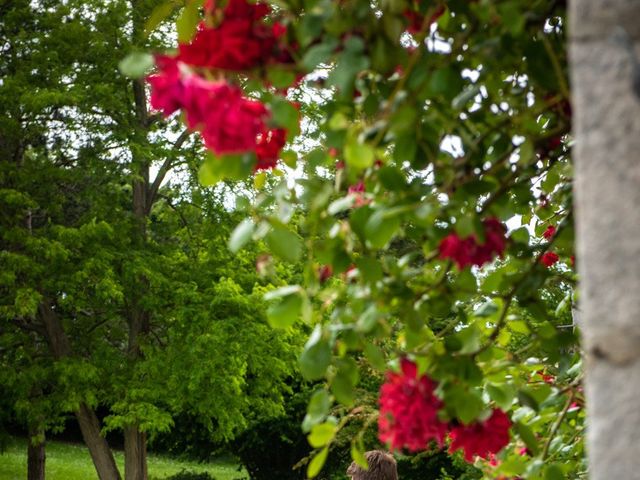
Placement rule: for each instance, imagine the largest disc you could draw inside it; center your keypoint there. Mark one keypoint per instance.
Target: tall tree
(606, 95)
(96, 250)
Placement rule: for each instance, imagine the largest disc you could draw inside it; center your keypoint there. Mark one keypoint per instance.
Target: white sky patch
(452, 144)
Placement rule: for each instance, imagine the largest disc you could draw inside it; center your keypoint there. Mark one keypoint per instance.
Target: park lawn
(68, 461)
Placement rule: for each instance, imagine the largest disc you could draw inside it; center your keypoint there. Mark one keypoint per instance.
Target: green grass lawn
(66, 461)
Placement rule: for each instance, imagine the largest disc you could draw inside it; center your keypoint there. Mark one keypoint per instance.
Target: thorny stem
(556, 425)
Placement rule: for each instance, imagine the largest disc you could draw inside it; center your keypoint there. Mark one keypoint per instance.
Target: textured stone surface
(607, 188)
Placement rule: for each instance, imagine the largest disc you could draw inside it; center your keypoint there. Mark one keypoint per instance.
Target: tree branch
(164, 169)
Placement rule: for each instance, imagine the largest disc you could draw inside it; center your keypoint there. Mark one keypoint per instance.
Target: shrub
(187, 475)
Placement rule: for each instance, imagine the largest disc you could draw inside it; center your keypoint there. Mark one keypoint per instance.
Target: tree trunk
(36, 455)
(89, 424)
(98, 448)
(138, 317)
(135, 454)
(607, 190)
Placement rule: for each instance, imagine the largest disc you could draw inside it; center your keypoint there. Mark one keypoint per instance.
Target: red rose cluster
(241, 41)
(409, 418)
(409, 410)
(468, 251)
(548, 259)
(481, 438)
(228, 122)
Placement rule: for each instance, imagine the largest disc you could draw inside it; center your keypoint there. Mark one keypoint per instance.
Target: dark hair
(382, 466)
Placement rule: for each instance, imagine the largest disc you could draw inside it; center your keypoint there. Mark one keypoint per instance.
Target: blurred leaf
(321, 434)
(528, 437)
(158, 15)
(359, 155)
(554, 472)
(136, 64)
(188, 21)
(284, 243)
(285, 313)
(241, 235)
(318, 409)
(381, 227)
(315, 357)
(357, 454)
(317, 462)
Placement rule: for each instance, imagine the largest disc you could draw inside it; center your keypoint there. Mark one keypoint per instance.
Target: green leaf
(392, 178)
(285, 115)
(241, 235)
(528, 400)
(513, 17)
(467, 404)
(188, 20)
(341, 204)
(280, 77)
(343, 389)
(470, 339)
(520, 235)
(405, 149)
(487, 309)
(502, 395)
(259, 180)
(317, 410)
(231, 167)
(446, 82)
(349, 63)
(528, 437)
(321, 434)
(554, 472)
(282, 292)
(284, 243)
(136, 64)
(317, 462)
(316, 356)
(284, 313)
(158, 15)
(318, 54)
(375, 356)
(289, 157)
(357, 455)
(368, 320)
(359, 155)
(381, 227)
(370, 269)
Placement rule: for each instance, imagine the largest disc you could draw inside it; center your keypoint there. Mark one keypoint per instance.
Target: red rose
(409, 410)
(549, 232)
(233, 122)
(244, 9)
(482, 438)
(325, 273)
(240, 42)
(234, 45)
(167, 89)
(357, 188)
(469, 252)
(200, 97)
(549, 258)
(268, 147)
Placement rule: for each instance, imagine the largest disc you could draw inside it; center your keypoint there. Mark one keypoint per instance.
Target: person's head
(382, 466)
